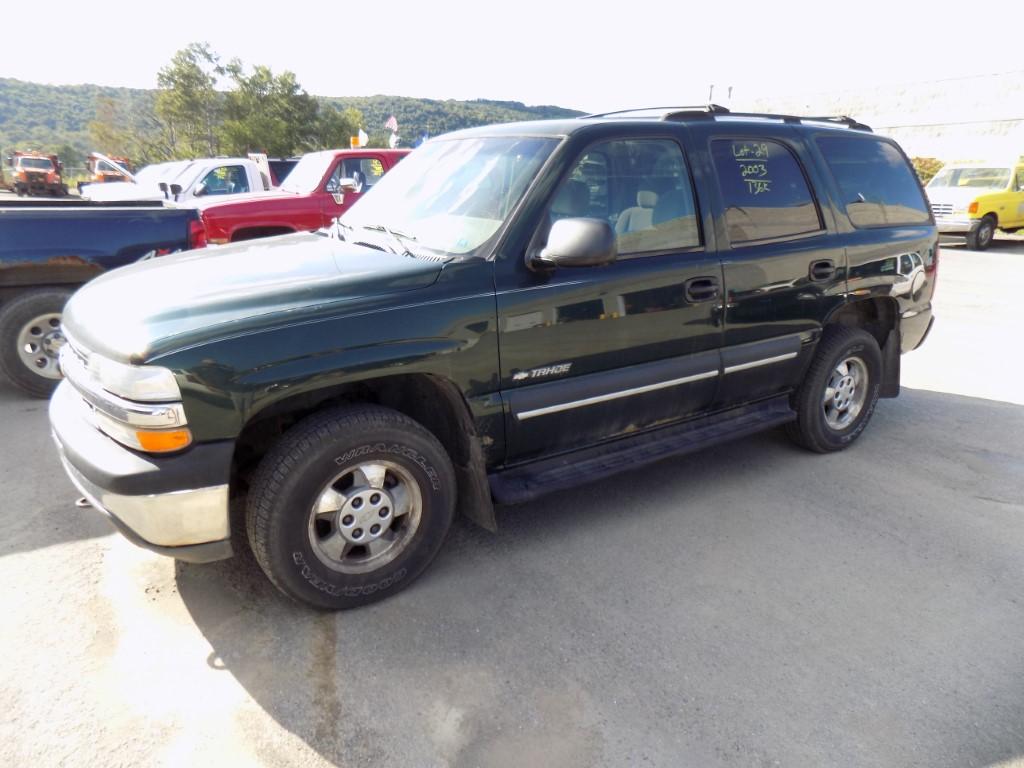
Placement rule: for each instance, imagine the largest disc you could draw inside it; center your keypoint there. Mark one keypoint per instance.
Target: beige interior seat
(640, 216)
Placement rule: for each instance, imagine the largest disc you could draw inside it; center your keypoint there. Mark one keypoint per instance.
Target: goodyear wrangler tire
(350, 506)
(839, 393)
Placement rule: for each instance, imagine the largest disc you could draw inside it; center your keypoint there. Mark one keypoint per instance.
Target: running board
(528, 481)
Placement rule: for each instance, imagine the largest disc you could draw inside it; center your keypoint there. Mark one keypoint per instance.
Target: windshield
(307, 173)
(975, 178)
(35, 163)
(154, 174)
(451, 196)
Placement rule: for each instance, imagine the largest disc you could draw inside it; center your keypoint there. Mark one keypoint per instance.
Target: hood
(958, 197)
(203, 203)
(112, 191)
(153, 307)
(121, 170)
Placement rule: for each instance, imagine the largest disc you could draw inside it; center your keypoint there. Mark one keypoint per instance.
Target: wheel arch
(253, 233)
(879, 316)
(433, 401)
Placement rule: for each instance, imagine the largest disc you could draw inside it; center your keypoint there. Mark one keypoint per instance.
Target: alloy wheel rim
(845, 393)
(39, 342)
(365, 517)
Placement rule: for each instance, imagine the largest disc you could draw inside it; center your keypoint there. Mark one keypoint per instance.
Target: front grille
(942, 209)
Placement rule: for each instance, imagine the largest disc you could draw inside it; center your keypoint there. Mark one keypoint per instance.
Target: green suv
(513, 310)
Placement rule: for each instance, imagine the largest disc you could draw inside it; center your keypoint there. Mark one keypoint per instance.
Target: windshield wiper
(339, 227)
(400, 238)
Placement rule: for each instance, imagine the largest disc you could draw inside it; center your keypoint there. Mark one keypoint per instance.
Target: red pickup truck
(319, 189)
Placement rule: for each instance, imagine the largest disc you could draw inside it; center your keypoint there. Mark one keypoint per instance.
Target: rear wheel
(350, 506)
(838, 395)
(30, 340)
(982, 235)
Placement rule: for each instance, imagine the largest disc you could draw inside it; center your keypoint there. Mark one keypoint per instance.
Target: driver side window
(226, 180)
(641, 188)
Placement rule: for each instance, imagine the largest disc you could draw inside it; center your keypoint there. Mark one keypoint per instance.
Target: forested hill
(57, 118)
(418, 116)
(51, 117)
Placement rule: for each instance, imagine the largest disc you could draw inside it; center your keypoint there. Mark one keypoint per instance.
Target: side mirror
(163, 188)
(348, 184)
(578, 243)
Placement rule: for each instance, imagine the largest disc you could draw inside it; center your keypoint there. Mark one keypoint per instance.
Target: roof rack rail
(662, 112)
(849, 122)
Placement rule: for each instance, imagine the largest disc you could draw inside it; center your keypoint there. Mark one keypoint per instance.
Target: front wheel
(982, 235)
(350, 506)
(838, 395)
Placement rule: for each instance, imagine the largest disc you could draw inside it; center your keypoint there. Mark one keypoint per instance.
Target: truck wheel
(982, 235)
(350, 506)
(838, 395)
(30, 338)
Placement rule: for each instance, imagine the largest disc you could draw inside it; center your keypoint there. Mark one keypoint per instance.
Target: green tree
(268, 113)
(926, 167)
(337, 126)
(188, 104)
(108, 130)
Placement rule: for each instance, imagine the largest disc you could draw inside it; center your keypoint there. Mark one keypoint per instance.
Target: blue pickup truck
(50, 248)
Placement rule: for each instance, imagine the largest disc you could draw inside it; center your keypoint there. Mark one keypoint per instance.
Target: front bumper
(955, 225)
(175, 505)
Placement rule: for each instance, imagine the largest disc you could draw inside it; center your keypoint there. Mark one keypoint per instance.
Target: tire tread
(287, 456)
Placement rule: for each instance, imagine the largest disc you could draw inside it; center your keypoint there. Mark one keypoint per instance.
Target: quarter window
(764, 190)
(641, 188)
(878, 186)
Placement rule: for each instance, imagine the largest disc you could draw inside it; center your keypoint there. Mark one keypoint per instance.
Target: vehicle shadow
(38, 505)
(753, 603)
(1001, 244)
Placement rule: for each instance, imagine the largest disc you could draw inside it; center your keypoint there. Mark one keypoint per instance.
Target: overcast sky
(585, 55)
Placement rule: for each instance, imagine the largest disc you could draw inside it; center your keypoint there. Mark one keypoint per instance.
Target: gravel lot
(754, 605)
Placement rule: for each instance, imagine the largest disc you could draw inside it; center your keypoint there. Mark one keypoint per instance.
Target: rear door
(885, 222)
(593, 353)
(783, 265)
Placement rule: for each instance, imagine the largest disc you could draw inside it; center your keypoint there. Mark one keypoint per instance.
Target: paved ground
(751, 606)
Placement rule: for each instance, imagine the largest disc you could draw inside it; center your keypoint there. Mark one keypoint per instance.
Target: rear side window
(764, 190)
(878, 186)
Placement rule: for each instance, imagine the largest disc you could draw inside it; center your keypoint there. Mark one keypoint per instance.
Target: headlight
(137, 405)
(145, 383)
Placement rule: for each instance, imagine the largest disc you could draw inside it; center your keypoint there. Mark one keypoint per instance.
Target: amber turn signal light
(164, 440)
(973, 207)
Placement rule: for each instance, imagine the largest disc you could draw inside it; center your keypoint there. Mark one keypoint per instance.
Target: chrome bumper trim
(177, 519)
(955, 226)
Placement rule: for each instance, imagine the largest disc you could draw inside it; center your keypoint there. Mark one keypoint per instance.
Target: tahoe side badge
(537, 373)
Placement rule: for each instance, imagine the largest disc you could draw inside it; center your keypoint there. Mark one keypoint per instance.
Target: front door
(593, 353)
(365, 171)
